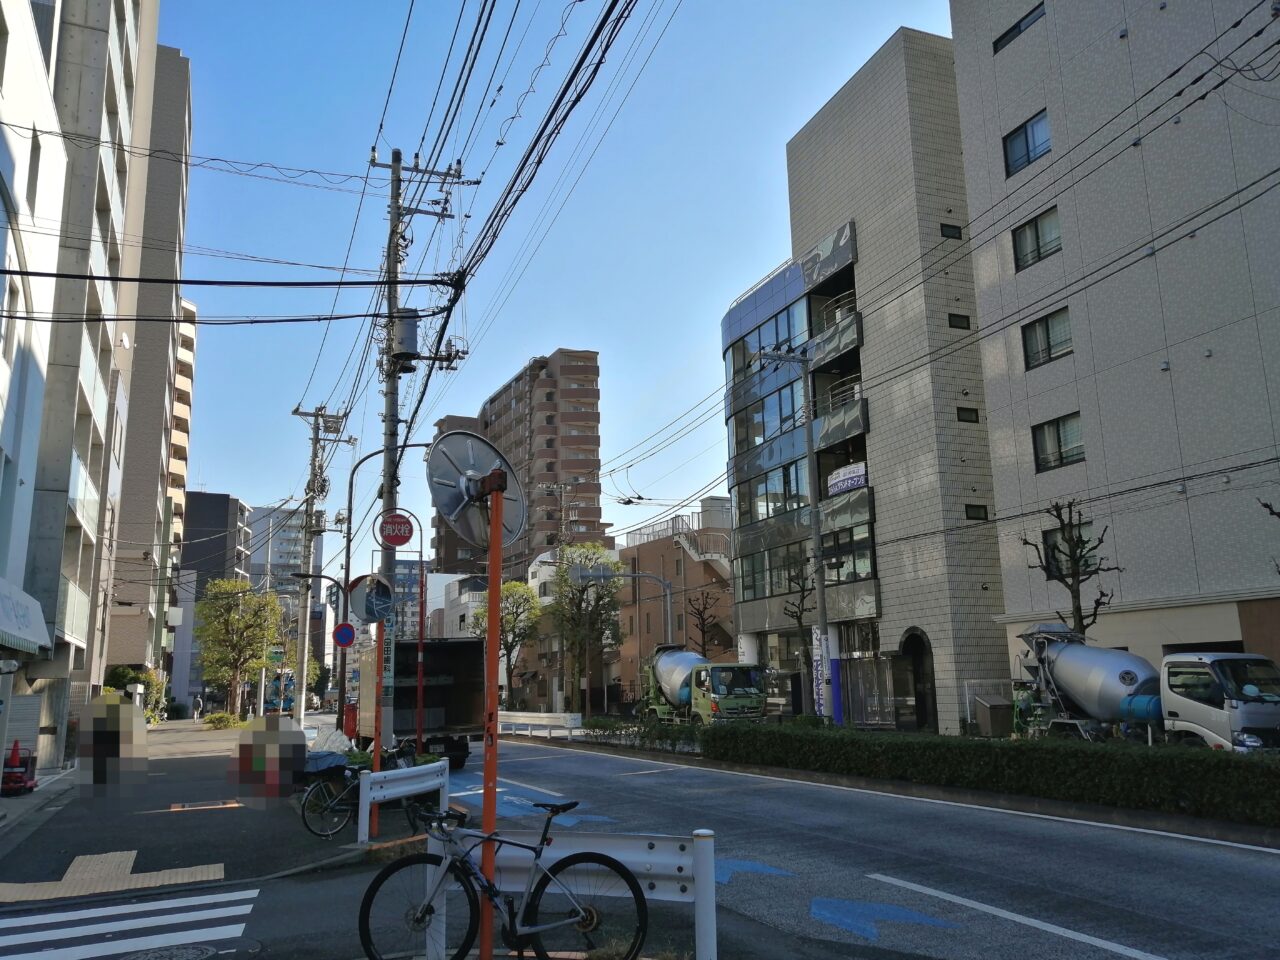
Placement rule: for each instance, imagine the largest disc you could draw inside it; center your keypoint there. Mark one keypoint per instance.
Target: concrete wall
(1175, 362)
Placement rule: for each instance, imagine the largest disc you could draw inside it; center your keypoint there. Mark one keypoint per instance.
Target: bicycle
(326, 809)
(559, 913)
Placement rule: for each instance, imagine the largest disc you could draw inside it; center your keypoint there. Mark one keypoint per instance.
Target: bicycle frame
(458, 853)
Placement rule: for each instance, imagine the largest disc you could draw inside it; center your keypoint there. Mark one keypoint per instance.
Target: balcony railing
(840, 394)
(73, 611)
(82, 495)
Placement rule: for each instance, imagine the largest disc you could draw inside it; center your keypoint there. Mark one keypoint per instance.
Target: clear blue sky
(682, 208)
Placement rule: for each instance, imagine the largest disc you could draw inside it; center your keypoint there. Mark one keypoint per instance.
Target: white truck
(1227, 701)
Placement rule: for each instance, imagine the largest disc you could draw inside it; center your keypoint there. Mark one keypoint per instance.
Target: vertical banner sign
(819, 673)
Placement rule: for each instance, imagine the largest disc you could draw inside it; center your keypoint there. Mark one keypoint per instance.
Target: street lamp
(822, 655)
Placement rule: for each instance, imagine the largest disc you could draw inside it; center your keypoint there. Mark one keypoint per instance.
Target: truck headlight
(1249, 740)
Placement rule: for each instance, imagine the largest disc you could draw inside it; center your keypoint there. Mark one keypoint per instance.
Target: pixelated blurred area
(112, 747)
(269, 760)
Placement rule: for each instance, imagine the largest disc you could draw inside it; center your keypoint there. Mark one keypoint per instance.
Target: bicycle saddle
(555, 809)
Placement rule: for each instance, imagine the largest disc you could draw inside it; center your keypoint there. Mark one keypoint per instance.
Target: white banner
(819, 673)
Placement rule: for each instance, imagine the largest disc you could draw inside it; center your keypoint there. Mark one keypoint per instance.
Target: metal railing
(396, 784)
(569, 722)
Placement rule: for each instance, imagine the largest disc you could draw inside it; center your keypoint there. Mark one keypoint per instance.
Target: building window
(958, 321)
(550, 395)
(848, 555)
(975, 511)
(967, 414)
(952, 231)
(551, 420)
(631, 625)
(1017, 29)
(679, 621)
(648, 627)
(679, 566)
(1056, 549)
(1036, 239)
(550, 443)
(33, 172)
(1046, 339)
(1026, 144)
(1057, 442)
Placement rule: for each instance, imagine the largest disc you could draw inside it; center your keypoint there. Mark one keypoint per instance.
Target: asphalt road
(804, 871)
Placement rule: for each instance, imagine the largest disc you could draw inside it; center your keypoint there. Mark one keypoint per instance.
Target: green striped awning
(22, 625)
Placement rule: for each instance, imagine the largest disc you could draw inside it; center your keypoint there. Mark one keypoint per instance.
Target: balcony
(581, 416)
(591, 440)
(580, 370)
(95, 392)
(187, 356)
(178, 442)
(580, 393)
(545, 430)
(546, 406)
(178, 469)
(73, 612)
(82, 496)
(182, 416)
(837, 423)
(843, 333)
(182, 388)
(582, 465)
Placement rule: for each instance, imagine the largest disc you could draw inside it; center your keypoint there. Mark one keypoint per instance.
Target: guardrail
(671, 869)
(395, 784)
(566, 721)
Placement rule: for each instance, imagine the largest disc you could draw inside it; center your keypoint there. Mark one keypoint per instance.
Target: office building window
(967, 414)
(1058, 552)
(975, 511)
(847, 555)
(1057, 442)
(1017, 29)
(952, 231)
(679, 566)
(958, 321)
(1036, 239)
(33, 172)
(1047, 338)
(1026, 144)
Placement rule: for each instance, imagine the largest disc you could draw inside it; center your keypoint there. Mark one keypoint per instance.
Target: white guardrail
(394, 784)
(551, 721)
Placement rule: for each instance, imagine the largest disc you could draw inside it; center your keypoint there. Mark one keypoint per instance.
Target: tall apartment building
(411, 580)
(152, 503)
(32, 171)
(103, 57)
(1127, 255)
(546, 421)
(691, 552)
(217, 547)
(912, 573)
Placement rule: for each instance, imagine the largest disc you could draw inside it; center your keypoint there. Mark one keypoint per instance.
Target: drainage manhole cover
(196, 951)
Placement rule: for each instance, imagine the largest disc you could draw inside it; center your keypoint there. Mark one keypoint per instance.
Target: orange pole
(489, 817)
(377, 719)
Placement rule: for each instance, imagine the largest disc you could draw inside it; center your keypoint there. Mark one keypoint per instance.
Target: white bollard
(362, 816)
(436, 948)
(704, 894)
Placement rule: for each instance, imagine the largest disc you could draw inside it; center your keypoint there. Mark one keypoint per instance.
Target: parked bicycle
(585, 905)
(330, 803)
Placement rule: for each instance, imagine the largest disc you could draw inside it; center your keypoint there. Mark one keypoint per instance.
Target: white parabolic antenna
(458, 461)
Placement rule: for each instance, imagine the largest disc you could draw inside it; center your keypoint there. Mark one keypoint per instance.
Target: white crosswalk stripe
(95, 932)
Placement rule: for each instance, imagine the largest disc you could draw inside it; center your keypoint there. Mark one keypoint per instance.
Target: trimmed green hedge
(222, 721)
(642, 734)
(1180, 780)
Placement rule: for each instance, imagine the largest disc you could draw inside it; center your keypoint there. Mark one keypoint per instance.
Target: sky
(637, 234)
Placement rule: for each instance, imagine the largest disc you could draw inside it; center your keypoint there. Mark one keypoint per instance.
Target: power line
(442, 281)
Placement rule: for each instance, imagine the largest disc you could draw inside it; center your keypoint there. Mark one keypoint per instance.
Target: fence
(395, 784)
(551, 721)
(997, 687)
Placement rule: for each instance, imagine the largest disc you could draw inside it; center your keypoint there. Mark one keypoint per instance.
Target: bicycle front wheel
(600, 901)
(396, 919)
(324, 812)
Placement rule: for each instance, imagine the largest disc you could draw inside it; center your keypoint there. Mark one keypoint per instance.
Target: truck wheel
(456, 762)
(697, 720)
(1191, 740)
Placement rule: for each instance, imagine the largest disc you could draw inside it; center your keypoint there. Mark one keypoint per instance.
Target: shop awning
(22, 625)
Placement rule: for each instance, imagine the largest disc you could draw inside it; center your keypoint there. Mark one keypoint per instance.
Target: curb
(1165, 823)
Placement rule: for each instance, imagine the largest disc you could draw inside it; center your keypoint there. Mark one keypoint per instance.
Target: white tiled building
(1127, 255)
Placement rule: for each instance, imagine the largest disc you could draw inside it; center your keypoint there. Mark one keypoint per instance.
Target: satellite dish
(458, 461)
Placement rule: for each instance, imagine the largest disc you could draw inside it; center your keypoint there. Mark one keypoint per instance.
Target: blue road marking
(725, 869)
(860, 917)
(466, 789)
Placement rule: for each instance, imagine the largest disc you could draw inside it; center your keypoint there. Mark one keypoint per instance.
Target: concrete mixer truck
(682, 687)
(1228, 701)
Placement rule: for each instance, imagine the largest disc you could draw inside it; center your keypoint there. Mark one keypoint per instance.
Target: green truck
(681, 686)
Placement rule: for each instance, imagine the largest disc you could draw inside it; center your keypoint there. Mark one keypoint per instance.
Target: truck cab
(733, 691)
(1228, 701)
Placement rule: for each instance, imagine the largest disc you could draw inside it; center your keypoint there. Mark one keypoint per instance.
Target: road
(806, 871)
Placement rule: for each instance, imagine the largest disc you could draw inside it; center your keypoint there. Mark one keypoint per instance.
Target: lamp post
(822, 653)
(346, 568)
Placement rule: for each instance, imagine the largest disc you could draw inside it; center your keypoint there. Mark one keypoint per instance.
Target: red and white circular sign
(395, 529)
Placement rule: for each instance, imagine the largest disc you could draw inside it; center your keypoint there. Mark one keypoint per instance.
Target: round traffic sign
(344, 634)
(394, 529)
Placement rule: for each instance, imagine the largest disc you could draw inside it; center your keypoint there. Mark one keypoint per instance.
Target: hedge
(1178, 780)
(222, 721)
(642, 734)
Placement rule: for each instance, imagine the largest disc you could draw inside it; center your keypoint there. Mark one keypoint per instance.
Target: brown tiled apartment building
(546, 421)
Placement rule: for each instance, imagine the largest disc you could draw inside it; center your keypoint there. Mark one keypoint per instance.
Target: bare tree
(802, 587)
(701, 606)
(1070, 557)
(1275, 513)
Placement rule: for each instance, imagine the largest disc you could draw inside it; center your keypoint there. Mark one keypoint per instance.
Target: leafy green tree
(518, 624)
(585, 616)
(234, 627)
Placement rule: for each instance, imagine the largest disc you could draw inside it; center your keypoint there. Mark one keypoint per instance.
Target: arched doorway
(917, 657)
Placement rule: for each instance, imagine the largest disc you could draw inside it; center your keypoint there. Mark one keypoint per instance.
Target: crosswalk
(126, 928)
